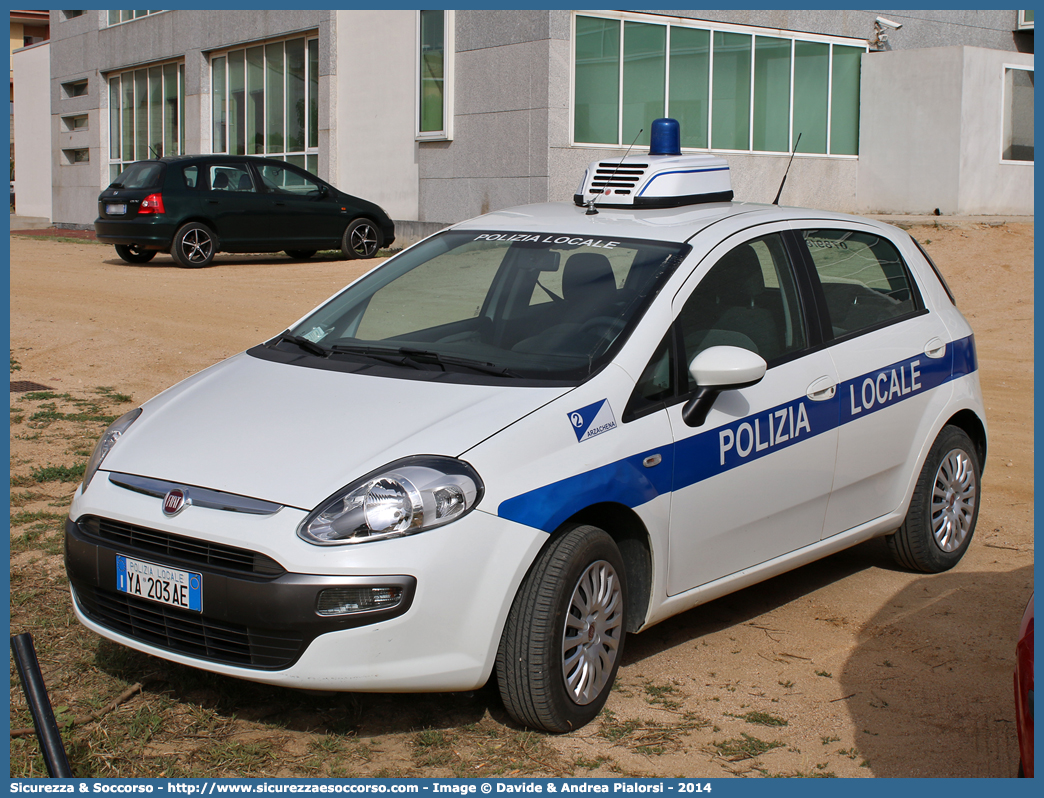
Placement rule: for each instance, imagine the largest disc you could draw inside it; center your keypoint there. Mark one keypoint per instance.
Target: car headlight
(107, 441)
(403, 498)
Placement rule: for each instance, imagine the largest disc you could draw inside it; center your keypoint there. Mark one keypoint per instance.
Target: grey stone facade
(511, 116)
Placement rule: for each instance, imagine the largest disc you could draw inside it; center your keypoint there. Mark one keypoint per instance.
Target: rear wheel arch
(632, 538)
(973, 427)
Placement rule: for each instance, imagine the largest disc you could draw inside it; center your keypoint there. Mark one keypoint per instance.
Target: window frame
(117, 127)
(815, 285)
(448, 58)
(1005, 113)
(713, 28)
(307, 158)
(123, 20)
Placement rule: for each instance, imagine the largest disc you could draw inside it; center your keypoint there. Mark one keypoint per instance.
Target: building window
(75, 88)
(145, 114)
(730, 87)
(435, 60)
(120, 16)
(77, 122)
(1017, 141)
(77, 156)
(1026, 20)
(73, 14)
(265, 101)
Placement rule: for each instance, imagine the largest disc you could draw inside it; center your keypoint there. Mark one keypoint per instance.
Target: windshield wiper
(306, 344)
(383, 354)
(427, 356)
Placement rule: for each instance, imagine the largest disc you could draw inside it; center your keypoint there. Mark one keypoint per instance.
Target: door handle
(935, 348)
(822, 389)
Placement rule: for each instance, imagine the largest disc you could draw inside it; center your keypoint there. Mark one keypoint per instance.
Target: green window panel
(313, 93)
(730, 115)
(141, 114)
(236, 103)
(771, 94)
(156, 113)
(173, 102)
(255, 100)
(274, 78)
(114, 119)
(811, 92)
(844, 98)
(690, 83)
(295, 95)
(219, 106)
(596, 109)
(432, 71)
(644, 79)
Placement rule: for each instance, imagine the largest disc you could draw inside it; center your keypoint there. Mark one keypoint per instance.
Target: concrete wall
(504, 66)
(372, 113)
(33, 151)
(930, 134)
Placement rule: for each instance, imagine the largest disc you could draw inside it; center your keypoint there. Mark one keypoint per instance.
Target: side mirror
(720, 368)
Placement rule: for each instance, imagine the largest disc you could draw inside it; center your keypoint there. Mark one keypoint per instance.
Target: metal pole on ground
(40, 707)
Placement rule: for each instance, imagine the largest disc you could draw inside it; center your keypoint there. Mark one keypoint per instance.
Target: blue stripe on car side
(707, 454)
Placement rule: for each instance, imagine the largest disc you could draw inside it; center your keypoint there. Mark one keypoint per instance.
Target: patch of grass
(825, 674)
(828, 740)
(851, 753)
(111, 395)
(745, 746)
(658, 694)
(433, 748)
(15, 365)
(762, 719)
(786, 685)
(52, 473)
(233, 758)
(29, 517)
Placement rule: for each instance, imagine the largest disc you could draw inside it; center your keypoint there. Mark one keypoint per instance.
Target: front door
(752, 482)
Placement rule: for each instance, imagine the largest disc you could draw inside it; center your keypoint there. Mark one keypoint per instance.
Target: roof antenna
(776, 200)
(591, 210)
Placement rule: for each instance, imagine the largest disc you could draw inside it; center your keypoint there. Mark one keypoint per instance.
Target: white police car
(534, 432)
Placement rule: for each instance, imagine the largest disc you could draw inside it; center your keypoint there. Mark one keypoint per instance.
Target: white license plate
(116, 208)
(183, 589)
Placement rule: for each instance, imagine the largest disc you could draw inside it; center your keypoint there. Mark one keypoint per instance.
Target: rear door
(893, 360)
(240, 214)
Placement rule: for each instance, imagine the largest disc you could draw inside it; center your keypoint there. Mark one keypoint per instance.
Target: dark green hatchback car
(198, 205)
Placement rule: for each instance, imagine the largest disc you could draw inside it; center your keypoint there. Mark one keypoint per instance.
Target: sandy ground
(858, 667)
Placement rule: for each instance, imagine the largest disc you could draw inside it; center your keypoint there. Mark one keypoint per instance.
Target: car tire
(941, 520)
(362, 239)
(300, 254)
(132, 253)
(193, 246)
(564, 636)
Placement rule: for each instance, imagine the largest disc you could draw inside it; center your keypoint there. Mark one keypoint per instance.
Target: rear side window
(140, 175)
(864, 280)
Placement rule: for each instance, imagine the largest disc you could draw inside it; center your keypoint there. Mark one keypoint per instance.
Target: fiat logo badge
(175, 501)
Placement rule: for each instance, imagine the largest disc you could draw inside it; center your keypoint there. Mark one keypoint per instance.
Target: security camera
(887, 23)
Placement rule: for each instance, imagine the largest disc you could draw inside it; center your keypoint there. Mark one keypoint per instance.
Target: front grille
(189, 633)
(199, 552)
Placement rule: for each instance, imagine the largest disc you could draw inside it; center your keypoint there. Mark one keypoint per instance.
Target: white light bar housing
(655, 181)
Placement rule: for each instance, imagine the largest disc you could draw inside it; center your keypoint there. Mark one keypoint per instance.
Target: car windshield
(532, 305)
(139, 175)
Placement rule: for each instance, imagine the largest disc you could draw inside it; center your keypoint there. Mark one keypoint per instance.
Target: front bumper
(257, 624)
